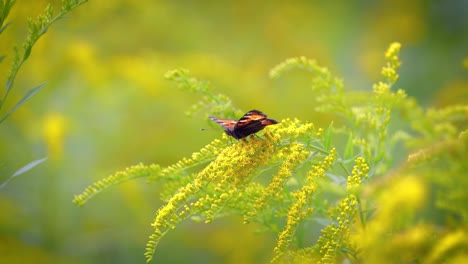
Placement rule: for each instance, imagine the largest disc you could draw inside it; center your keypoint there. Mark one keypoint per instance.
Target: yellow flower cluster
(154, 172)
(232, 171)
(319, 132)
(213, 187)
(298, 211)
(296, 214)
(393, 63)
(374, 117)
(133, 172)
(290, 129)
(336, 236)
(296, 154)
(232, 181)
(384, 97)
(318, 171)
(206, 154)
(359, 172)
(224, 180)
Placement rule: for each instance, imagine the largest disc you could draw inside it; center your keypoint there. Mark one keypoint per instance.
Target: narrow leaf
(24, 169)
(349, 150)
(4, 27)
(10, 81)
(27, 52)
(2, 57)
(26, 97)
(327, 137)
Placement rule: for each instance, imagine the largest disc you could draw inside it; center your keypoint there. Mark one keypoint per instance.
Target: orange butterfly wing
(226, 123)
(252, 122)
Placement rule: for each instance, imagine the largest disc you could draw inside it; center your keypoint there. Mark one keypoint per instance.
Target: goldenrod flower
(359, 172)
(54, 133)
(298, 211)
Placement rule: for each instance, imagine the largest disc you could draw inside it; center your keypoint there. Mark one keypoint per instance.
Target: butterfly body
(252, 122)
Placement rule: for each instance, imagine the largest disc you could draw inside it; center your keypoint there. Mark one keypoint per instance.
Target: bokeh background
(107, 106)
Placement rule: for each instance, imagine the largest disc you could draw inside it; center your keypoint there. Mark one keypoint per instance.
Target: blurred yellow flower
(140, 71)
(54, 134)
(398, 204)
(83, 56)
(449, 245)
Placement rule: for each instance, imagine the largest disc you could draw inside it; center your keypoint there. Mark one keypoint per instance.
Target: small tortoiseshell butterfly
(252, 122)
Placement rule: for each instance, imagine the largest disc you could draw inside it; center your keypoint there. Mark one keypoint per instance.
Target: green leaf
(24, 169)
(27, 52)
(2, 57)
(5, 8)
(328, 137)
(9, 82)
(26, 97)
(4, 27)
(349, 150)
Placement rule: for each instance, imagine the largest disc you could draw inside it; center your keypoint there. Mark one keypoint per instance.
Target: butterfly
(252, 122)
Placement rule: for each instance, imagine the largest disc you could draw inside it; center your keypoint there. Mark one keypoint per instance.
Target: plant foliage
(365, 181)
(37, 28)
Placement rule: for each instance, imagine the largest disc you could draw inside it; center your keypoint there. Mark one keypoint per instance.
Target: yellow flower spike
(359, 171)
(380, 89)
(137, 171)
(298, 210)
(318, 171)
(166, 216)
(393, 51)
(295, 155)
(389, 71)
(337, 236)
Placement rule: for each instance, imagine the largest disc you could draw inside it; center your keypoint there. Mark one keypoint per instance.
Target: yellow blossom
(298, 211)
(405, 195)
(448, 245)
(54, 133)
(296, 155)
(360, 171)
(337, 235)
(84, 56)
(393, 63)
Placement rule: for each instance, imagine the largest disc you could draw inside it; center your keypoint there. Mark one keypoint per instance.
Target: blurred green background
(106, 106)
